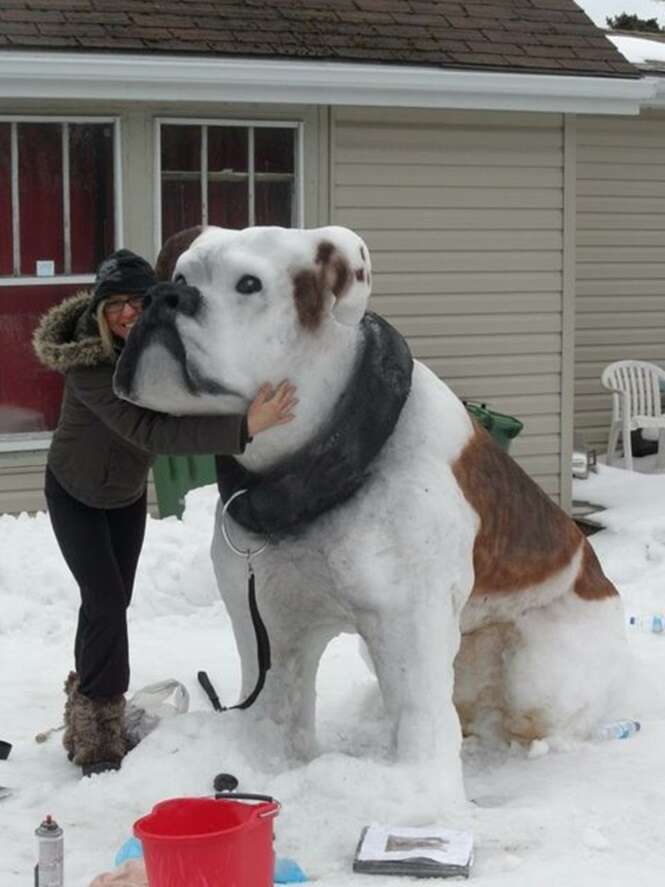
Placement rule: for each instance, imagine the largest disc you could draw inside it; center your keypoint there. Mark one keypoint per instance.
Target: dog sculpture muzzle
(163, 304)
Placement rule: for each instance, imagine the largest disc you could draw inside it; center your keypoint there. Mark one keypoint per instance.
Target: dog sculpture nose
(166, 299)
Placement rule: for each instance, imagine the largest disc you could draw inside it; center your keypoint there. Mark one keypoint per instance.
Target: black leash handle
(262, 643)
(262, 653)
(206, 683)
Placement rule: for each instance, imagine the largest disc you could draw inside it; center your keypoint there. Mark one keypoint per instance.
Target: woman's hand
(271, 406)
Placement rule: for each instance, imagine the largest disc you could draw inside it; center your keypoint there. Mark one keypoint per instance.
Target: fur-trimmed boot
(71, 687)
(99, 731)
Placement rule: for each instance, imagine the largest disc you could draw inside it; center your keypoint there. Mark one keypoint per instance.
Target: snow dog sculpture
(389, 512)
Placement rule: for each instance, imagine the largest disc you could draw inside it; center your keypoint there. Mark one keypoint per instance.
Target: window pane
(181, 148)
(273, 203)
(274, 163)
(227, 148)
(6, 264)
(228, 181)
(40, 195)
(228, 204)
(29, 393)
(181, 178)
(91, 194)
(274, 149)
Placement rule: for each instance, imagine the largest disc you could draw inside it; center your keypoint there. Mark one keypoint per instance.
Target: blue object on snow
(654, 623)
(617, 730)
(131, 849)
(287, 871)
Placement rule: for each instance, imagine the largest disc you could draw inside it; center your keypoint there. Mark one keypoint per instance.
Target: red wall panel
(30, 395)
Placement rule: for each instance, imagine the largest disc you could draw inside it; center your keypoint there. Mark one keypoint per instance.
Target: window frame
(64, 120)
(250, 124)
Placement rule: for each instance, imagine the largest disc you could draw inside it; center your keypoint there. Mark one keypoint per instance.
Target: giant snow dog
(389, 512)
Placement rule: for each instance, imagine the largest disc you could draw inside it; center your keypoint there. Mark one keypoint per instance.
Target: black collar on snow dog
(333, 466)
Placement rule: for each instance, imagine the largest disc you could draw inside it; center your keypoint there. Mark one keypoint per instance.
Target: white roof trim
(132, 77)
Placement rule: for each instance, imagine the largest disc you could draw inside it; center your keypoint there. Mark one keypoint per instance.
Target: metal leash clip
(241, 552)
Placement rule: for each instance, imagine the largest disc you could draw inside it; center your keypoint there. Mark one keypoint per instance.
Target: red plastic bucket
(208, 842)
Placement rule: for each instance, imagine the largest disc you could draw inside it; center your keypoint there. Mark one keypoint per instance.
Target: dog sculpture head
(238, 308)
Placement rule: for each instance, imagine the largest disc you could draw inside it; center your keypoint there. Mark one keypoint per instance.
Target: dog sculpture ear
(174, 247)
(344, 268)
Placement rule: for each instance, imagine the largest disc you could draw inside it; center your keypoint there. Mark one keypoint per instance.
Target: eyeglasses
(115, 306)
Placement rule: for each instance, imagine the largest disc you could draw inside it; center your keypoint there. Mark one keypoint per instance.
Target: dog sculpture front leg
(299, 623)
(413, 651)
(289, 696)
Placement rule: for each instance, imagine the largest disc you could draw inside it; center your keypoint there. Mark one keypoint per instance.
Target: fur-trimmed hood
(68, 337)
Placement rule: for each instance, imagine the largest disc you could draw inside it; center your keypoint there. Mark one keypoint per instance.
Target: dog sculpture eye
(248, 284)
(180, 279)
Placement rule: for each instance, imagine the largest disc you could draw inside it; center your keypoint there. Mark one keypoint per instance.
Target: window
(228, 174)
(56, 197)
(57, 222)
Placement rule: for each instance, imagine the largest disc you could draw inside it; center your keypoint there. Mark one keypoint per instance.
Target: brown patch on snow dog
(310, 287)
(523, 536)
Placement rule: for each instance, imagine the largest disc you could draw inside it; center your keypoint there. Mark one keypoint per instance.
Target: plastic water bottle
(616, 730)
(654, 623)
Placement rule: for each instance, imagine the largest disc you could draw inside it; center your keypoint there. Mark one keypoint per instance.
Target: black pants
(101, 548)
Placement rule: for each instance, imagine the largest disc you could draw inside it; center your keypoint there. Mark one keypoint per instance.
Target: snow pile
(632, 550)
(584, 814)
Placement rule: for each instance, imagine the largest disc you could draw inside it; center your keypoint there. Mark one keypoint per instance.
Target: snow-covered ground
(580, 814)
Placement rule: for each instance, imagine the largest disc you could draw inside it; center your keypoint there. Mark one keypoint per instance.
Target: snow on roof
(639, 50)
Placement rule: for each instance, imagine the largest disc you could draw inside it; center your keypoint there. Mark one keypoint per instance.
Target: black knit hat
(122, 273)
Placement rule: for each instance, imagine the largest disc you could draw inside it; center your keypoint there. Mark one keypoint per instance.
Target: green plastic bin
(175, 476)
(503, 428)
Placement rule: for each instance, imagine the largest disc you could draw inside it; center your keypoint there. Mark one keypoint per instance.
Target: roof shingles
(552, 36)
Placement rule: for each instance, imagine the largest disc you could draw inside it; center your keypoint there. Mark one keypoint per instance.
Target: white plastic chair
(636, 403)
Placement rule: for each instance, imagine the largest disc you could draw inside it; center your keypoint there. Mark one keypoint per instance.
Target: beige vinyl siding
(463, 215)
(22, 483)
(620, 264)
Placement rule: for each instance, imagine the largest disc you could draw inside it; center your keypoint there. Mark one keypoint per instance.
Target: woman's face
(121, 314)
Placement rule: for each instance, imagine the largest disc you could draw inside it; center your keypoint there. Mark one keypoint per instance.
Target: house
(472, 144)
(620, 271)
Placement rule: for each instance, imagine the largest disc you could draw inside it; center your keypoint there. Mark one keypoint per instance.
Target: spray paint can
(49, 871)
